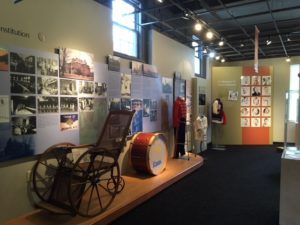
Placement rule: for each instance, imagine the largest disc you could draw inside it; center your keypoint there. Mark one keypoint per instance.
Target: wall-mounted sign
(10, 30)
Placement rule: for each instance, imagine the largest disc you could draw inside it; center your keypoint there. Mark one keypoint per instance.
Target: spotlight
(242, 45)
(212, 54)
(194, 44)
(204, 51)
(221, 43)
(268, 42)
(198, 26)
(223, 60)
(288, 59)
(218, 57)
(209, 35)
(160, 1)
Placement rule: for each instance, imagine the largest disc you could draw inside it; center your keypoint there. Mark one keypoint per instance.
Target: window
(294, 92)
(125, 29)
(197, 61)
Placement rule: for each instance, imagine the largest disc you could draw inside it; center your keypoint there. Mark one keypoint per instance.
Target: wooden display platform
(138, 189)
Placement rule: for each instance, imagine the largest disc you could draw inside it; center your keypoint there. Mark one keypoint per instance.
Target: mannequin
(200, 130)
(179, 120)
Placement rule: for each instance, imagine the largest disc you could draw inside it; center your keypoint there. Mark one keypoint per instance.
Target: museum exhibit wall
(54, 24)
(280, 83)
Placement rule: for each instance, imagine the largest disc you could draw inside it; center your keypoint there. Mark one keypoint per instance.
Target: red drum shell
(148, 153)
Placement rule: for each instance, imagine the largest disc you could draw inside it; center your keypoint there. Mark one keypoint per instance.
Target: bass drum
(148, 153)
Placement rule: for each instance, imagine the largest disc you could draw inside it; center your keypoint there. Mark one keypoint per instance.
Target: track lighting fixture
(209, 35)
(198, 26)
(242, 45)
(221, 43)
(268, 42)
(217, 57)
(223, 60)
(288, 59)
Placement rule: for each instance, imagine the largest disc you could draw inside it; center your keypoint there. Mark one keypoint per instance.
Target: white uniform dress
(200, 131)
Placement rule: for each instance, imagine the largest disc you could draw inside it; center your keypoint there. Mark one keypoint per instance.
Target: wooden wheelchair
(83, 179)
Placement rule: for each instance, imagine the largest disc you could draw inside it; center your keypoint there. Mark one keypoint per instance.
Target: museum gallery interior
(149, 112)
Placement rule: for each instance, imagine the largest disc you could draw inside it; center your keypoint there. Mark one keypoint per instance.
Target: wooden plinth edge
(139, 188)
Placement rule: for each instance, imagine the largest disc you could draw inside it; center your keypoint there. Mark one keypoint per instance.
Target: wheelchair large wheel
(47, 166)
(91, 192)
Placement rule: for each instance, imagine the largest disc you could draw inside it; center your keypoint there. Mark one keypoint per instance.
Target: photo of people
(153, 115)
(245, 91)
(255, 122)
(22, 63)
(146, 107)
(255, 101)
(23, 125)
(167, 85)
(245, 122)
(266, 90)
(245, 80)
(85, 87)
(47, 86)
(245, 101)
(86, 104)
(68, 87)
(266, 101)
(3, 59)
(137, 121)
(266, 122)
(255, 111)
(255, 80)
(266, 111)
(149, 70)
(256, 91)
(233, 95)
(153, 104)
(245, 111)
(76, 64)
(125, 85)
(47, 104)
(22, 84)
(136, 68)
(113, 63)
(47, 67)
(266, 80)
(23, 105)
(68, 104)
(101, 89)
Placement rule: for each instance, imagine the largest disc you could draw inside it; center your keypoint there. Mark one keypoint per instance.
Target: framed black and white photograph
(101, 89)
(245, 91)
(86, 104)
(24, 125)
(167, 85)
(146, 107)
(23, 105)
(22, 63)
(255, 111)
(255, 122)
(255, 80)
(68, 87)
(255, 101)
(68, 104)
(113, 63)
(256, 90)
(245, 122)
(47, 86)
(233, 95)
(266, 122)
(153, 115)
(245, 101)
(266, 90)
(46, 66)
(85, 87)
(245, 111)
(47, 104)
(136, 68)
(266, 101)
(125, 85)
(266, 111)
(202, 99)
(245, 80)
(149, 70)
(266, 80)
(22, 84)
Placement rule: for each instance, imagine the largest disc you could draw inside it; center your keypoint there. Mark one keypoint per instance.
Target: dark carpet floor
(238, 186)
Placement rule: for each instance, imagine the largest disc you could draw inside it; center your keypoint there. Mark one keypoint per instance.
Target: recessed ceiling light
(209, 35)
(198, 26)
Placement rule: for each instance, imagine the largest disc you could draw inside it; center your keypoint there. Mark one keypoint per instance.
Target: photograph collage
(256, 101)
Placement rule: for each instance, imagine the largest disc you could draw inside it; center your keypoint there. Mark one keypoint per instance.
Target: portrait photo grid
(256, 101)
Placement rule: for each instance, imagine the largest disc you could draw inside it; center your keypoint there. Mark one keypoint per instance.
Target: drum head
(157, 155)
